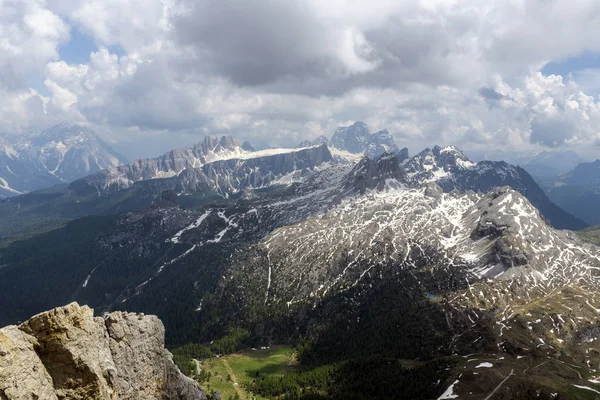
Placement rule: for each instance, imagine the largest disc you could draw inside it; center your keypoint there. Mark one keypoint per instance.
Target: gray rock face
(223, 176)
(22, 374)
(142, 364)
(67, 353)
(173, 162)
(371, 174)
(234, 175)
(354, 138)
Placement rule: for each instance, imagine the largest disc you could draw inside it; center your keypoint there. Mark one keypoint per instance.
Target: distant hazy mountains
(568, 181)
(578, 191)
(59, 154)
(542, 166)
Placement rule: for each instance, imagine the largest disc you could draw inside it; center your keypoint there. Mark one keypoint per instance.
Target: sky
(150, 75)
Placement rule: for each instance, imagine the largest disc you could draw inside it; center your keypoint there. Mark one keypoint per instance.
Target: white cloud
(461, 72)
(29, 37)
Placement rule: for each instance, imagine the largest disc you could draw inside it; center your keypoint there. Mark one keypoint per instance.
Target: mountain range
(431, 275)
(577, 191)
(542, 165)
(60, 154)
(220, 168)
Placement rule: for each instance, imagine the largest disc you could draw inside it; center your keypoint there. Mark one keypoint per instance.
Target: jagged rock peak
(449, 155)
(318, 141)
(353, 138)
(213, 147)
(357, 139)
(216, 145)
(67, 353)
(436, 162)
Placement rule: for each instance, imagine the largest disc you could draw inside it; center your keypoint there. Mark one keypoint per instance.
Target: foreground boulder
(67, 353)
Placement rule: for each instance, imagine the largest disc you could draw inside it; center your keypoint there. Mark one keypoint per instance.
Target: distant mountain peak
(353, 138)
(61, 153)
(380, 143)
(358, 139)
(318, 141)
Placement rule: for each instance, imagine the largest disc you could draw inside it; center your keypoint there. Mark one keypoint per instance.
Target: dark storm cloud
(282, 46)
(255, 43)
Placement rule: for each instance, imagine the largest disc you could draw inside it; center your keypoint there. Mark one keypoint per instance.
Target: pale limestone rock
(74, 348)
(145, 368)
(22, 374)
(66, 353)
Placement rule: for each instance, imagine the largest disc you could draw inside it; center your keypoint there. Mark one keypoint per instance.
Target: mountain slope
(318, 262)
(115, 191)
(69, 151)
(18, 175)
(225, 169)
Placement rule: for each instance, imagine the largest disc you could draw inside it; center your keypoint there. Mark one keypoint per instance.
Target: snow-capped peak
(61, 153)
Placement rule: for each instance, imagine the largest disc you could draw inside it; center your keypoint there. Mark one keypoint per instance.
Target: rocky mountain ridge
(67, 353)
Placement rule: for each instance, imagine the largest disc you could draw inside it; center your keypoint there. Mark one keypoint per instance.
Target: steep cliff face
(67, 353)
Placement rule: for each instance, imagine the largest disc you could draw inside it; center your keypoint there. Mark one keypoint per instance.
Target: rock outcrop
(67, 353)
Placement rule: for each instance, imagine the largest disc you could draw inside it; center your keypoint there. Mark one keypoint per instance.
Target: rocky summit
(67, 353)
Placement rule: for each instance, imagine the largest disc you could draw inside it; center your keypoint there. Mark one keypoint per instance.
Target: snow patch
(449, 393)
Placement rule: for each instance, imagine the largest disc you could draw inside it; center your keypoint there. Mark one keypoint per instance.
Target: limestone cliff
(67, 353)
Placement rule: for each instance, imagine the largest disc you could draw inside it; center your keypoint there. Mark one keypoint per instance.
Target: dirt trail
(233, 379)
(500, 385)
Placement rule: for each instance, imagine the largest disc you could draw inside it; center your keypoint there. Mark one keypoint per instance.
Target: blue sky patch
(587, 60)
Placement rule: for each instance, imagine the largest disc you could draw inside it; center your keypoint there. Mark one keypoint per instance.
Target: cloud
(490, 94)
(265, 41)
(29, 37)
(276, 72)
